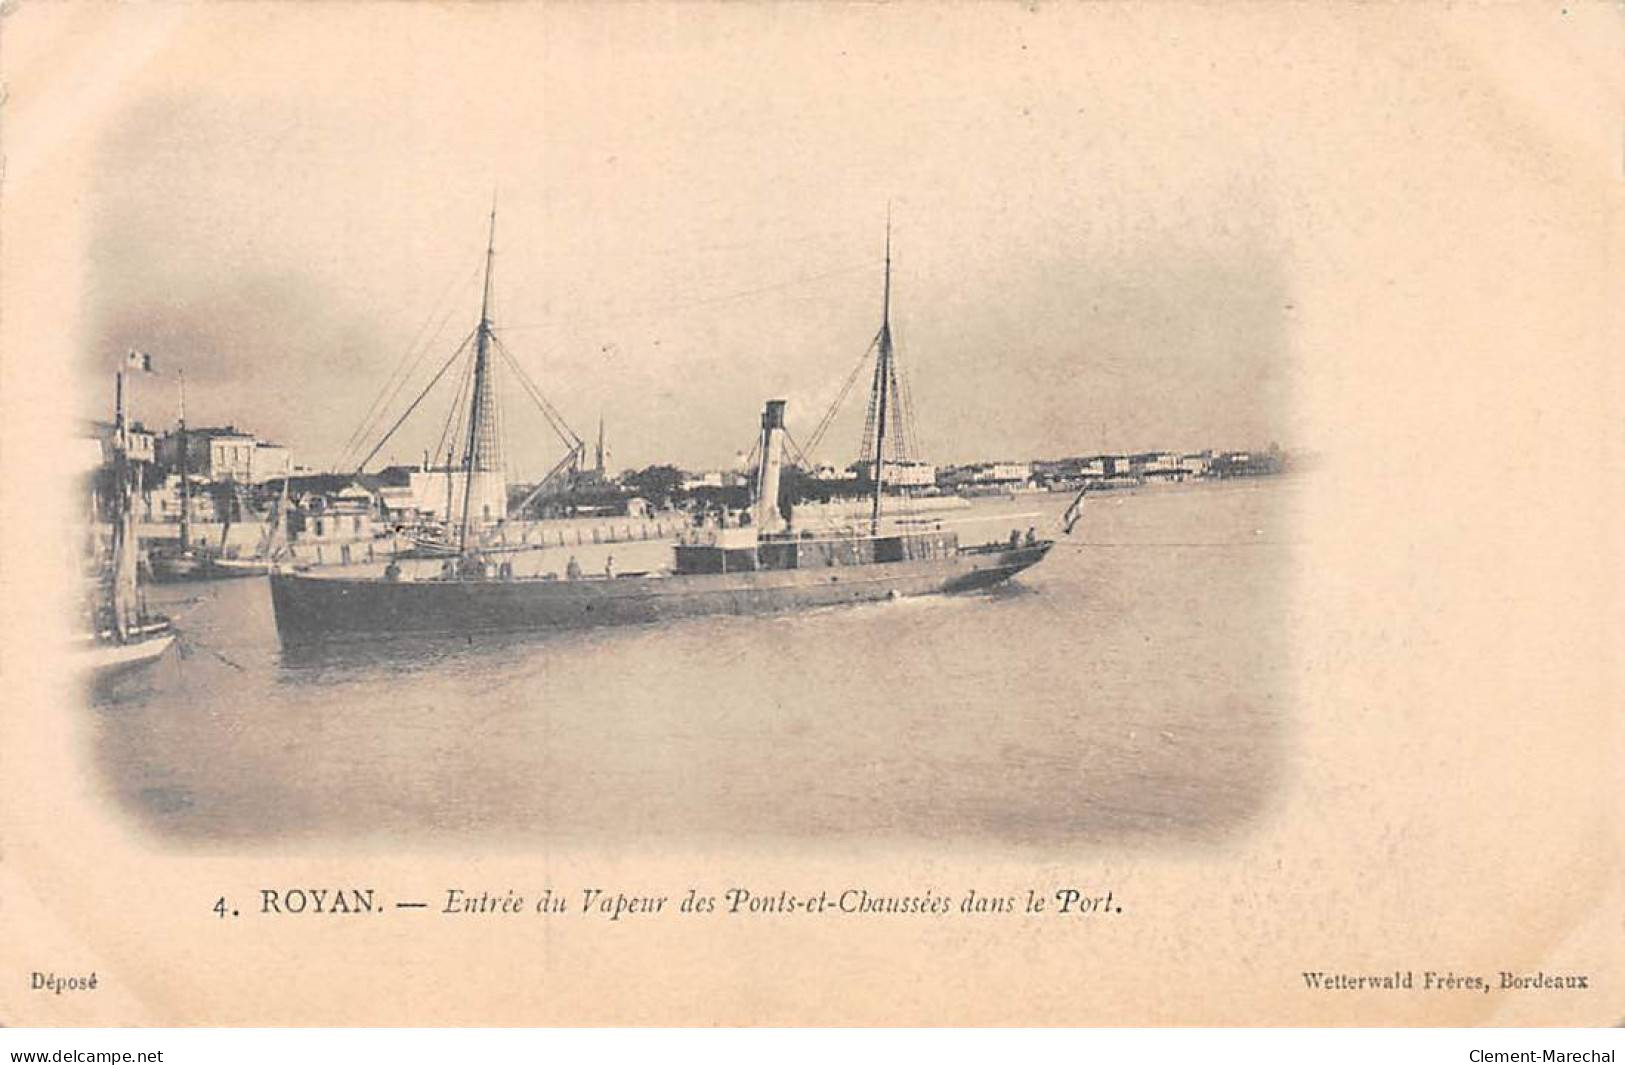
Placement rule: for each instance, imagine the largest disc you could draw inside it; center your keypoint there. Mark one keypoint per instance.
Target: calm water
(1134, 691)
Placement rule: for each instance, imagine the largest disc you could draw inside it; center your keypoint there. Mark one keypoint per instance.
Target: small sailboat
(755, 567)
(270, 554)
(184, 563)
(124, 634)
(192, 561)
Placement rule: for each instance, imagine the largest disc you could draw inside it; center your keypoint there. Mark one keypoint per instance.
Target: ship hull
(319, 608)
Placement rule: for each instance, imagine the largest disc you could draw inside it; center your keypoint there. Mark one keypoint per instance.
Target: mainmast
(480, 450)
(883, 378)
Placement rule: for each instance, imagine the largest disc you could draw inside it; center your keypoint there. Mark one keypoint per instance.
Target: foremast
(474, 424)
(482, 449)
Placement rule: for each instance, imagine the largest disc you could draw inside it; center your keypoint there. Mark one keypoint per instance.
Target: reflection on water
(1111, 693)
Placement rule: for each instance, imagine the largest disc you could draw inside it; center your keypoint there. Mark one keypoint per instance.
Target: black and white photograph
(762, 514)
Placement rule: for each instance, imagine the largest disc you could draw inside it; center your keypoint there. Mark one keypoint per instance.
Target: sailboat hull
(318, 607)
(226, 568)
(172, 569)
(106, 660)
(167, 569)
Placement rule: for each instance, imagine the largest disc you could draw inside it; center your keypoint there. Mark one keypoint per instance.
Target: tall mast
(882, 384)
(124, 592)
(186, 493)
(478, 453)
(450, 455)
(118, 412)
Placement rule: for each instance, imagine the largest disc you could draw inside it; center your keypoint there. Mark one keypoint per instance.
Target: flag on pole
(1073, 512)
(138, 360)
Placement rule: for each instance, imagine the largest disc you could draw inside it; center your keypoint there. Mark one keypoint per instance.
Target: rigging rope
(568, 435)
(362, 465)
(497, 416)
(802, 461)
(453, 429)
(846, 389)
(913, 426)
(380, 403)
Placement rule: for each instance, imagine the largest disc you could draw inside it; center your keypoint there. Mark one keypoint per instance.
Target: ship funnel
(768, 518)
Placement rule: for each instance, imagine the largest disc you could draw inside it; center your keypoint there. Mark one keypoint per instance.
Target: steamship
(758, 566)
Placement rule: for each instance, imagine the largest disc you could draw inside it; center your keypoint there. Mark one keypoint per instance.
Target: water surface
(1133, 690)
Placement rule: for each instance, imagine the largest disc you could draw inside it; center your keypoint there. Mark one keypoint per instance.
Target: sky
(1093, 236)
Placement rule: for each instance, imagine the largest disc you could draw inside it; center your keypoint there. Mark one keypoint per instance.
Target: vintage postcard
(761, 514)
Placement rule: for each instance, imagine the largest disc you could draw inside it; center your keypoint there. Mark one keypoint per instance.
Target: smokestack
(768, 518)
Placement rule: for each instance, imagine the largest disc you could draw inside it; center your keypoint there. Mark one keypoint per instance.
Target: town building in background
(269, 462)
(143, 443)
(233, 476)
(894, 474)
(984, 477)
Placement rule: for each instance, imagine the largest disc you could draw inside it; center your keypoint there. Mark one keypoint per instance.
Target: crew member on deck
(572, 569)
(609, 566)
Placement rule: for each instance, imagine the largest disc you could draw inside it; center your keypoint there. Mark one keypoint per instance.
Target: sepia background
(1390, 238)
